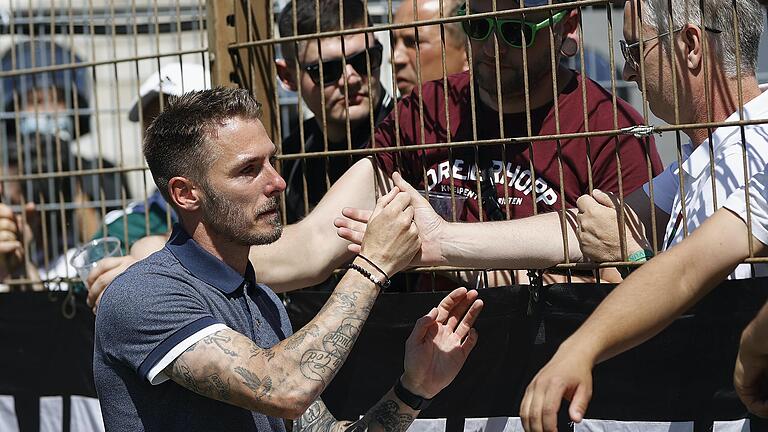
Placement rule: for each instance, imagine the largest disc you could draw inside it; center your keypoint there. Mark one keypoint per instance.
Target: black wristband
(416, 402)
(386, 276)
(381, 284)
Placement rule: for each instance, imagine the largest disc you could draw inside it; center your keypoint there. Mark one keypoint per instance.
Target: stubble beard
(228, 219)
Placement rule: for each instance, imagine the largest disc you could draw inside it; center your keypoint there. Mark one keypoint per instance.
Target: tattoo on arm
(298, 338)
(322, 364)
(262, 388)
(316, 418)
(385, 415)
(213, 385)
(220, 340)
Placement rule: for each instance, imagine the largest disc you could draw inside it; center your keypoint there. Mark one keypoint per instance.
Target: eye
(409, 41)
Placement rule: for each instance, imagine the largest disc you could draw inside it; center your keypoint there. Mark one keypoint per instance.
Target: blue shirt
(155, 310)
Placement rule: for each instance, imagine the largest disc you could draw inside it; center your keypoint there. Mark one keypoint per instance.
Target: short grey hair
(718, 14)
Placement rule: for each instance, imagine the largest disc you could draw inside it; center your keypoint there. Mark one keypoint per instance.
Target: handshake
(401, 211)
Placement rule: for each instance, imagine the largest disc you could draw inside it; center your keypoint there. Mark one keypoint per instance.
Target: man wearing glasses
(714, 172)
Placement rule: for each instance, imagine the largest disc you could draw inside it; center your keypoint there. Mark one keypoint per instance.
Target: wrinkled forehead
(424, 10)
(332, 48)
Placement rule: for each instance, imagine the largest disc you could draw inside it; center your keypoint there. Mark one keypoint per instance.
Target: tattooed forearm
(297, 339)
(322, 364)
(316, 418)
(261, 387)
(386, 414)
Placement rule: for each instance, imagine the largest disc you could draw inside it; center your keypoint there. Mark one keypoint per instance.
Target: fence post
(237, 21)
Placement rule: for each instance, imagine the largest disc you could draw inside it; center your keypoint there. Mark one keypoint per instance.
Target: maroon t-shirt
(440, 166)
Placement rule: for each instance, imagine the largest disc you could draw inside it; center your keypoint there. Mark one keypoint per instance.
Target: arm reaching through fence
(644, 304)
(751, 371)
(534, 242)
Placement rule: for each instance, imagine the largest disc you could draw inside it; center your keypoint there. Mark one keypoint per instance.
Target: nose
(489, 49)
(352, 76)
(628, 73)
(399, 55)
(276, 183)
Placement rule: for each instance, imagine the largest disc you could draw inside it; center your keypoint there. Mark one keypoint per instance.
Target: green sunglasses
(514, 32)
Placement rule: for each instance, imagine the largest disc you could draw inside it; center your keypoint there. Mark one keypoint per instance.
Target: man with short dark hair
(187, 340)
(348, 101)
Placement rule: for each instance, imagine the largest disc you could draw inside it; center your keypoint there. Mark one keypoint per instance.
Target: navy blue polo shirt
(154, 311)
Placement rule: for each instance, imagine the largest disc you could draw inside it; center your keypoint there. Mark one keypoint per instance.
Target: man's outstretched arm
(534, 242)
(644, 304)
(591, 233)
(310, 250)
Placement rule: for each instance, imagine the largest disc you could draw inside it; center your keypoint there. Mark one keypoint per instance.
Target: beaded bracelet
(374, 266)
(381, 284)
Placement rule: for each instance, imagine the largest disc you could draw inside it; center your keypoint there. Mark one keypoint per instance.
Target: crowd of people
(207, 345)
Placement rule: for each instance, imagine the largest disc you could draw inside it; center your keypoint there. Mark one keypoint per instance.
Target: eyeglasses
(333, 69)
(631, 52)
(514, 32)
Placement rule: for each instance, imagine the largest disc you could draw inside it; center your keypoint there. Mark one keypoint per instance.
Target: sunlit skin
(362, 90)
(656, 64)
(430, 47)
(511, 60)
(242, 173)
(691, 80)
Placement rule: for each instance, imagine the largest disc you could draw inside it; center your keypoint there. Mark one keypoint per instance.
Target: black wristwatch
(416, 402)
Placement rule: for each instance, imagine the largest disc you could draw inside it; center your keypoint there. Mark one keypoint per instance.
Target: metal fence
(72, 71)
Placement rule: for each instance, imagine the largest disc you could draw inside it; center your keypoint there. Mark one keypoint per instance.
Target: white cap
(173, 79)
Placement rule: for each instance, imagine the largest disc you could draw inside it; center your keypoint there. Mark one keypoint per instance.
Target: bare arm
(657, 293)
(534, 242)
(284, 380)
(310, 250)
(646, 302)
(640, 203)
(537, 241)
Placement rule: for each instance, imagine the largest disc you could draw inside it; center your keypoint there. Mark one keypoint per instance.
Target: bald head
(429, 62)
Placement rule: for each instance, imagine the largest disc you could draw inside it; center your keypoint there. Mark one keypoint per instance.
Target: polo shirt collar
(204, 266)
(698, 161)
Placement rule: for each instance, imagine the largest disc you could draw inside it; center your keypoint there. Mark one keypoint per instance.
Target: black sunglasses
(332, 69)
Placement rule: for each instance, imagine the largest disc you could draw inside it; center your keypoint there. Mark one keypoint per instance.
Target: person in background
(650, 299)
(153, 216)
(49, 118)
(310, 250)
(354, 99)
(418, 52)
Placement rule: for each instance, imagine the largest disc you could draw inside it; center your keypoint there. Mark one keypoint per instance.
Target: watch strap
(416, 402)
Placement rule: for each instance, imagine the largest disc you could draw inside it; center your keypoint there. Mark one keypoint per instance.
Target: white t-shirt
(758, 205)
(700, 200)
